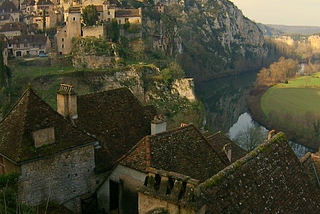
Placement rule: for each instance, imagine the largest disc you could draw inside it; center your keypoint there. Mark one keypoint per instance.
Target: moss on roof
(31, 114)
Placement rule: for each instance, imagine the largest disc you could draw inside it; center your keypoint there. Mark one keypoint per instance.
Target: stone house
(55, 160)
(13, 29)
(5, 18)
(29, 45)
(8, 7)
(270, 179)
(179, 150)
(128, 15)
(72, 29)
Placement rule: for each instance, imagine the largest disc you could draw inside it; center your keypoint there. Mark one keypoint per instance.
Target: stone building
(179, 150)
(29, 45)
(72, 29)
(270, 179)
(55, 160)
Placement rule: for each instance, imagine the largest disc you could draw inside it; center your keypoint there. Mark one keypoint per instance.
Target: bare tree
(250, 137)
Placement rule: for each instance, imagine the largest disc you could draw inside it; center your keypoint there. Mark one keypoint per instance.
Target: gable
(31, 124)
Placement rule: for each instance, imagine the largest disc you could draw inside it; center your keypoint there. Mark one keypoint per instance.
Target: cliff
(208, 38)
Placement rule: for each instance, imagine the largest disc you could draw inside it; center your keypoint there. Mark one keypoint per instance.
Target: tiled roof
(44, 2)
(219, 141)
(38, 39)
(14, 26)
(127, 13)
(117, 119)
(183, 150)
(31, 114)
(270, 179)
(8, 7)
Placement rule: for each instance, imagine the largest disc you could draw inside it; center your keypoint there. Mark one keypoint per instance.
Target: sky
(283, 12)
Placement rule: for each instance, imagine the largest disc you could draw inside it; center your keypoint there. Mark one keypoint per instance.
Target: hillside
(304, 30)
(208, 38)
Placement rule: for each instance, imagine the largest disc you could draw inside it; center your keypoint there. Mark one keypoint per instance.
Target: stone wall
(93, 61)
(93, 31)
(58, 178)
(121, 174)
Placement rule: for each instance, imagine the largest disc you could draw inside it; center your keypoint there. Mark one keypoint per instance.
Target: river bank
(284, 124)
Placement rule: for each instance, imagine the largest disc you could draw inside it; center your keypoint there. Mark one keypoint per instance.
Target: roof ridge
(206, 140)
(217, 178)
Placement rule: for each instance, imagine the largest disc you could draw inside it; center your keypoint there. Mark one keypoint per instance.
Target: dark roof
(14, 26)
(183, 150)
(117, 119)
(8, 7)
(44, 2)
(219, 141)
(28, 2)
(38, 39)
(127, 13)
(30, 114)
(270, 179)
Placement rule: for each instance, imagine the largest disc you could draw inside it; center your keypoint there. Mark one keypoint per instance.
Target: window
(74, 18)
(62, 46)
(62, 39)
(25, 45)
(43, 137)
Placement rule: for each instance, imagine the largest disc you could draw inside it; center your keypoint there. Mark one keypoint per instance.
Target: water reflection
(245, 120)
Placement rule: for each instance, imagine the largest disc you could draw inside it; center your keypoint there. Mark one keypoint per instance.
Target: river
(226, 109)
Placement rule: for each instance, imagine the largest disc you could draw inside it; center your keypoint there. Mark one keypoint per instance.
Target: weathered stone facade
(94, 31)
(61, 178)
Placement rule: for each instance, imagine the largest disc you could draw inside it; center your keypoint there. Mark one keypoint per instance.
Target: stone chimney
(158, 125)
(67, 102)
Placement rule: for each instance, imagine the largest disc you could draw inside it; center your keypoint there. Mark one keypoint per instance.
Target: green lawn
(297, 97)
(294, 100)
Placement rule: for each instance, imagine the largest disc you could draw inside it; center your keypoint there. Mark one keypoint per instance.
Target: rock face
(209, 38)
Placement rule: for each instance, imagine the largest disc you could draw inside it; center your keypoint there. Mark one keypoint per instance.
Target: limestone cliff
(209, 38)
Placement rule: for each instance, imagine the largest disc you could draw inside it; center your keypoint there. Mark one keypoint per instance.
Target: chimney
(67, 102)
(158, 125)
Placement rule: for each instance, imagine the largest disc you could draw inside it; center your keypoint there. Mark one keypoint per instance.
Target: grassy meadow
(299, 96)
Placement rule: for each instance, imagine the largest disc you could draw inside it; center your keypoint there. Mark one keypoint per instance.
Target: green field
(299, 96)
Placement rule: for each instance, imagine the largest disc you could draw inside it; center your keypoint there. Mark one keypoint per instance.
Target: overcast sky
(284, 12)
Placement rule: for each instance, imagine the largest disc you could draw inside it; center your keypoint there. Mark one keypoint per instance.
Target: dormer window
(43, 137)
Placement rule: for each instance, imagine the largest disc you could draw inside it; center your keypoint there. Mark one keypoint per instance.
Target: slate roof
(117, 119)
(38, 39)
(8, 7)
(183, 150)
(270, 179)
(219, 141)
(30, 114)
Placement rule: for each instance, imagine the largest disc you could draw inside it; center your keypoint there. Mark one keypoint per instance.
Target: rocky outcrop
(209, 38)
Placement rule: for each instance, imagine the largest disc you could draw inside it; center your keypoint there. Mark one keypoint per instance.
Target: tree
(250, 137)
(90, 15)
(113, 31)
(174, 71)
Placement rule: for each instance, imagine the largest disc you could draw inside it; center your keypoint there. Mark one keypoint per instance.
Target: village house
(55, 160)
(179, 150)
(29, 45)
(14, 29)
(270, 179)
(108, 145)
(8, 7)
